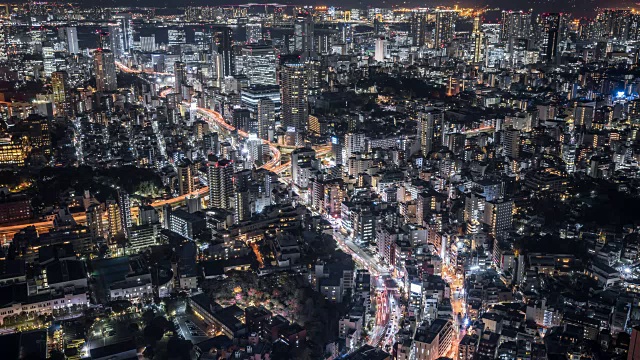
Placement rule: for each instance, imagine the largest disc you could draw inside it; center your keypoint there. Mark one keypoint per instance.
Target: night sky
(576, 7)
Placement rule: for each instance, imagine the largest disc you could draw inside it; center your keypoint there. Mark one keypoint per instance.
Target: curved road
(7, 231)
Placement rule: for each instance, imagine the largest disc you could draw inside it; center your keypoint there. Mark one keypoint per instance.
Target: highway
(212, 117)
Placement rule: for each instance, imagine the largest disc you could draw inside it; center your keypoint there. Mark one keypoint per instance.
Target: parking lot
(189, 330)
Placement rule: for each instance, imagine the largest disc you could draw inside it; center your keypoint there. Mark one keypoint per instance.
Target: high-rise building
(258, 63)
(511, 143)
(148, 43)
(116, 38)
(94, 221)
(221, 184)
(418, 29)
(72, 40)
(180, 74)
(445, 27)
(242, 205)
(177, 37)
(125, 211)
(478, 40)
(427, 124)
(265, 118)
(104, 67)
(225, 49)
(114, 219)
(294, 90)
(254, 33)
(515, 25)
(551, 25)
(303, 30)
(186, 171)
(382, 49)
(301, 165)
(59, 89)
(498, 214)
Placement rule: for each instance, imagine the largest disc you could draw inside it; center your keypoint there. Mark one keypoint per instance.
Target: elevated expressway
(214, 119)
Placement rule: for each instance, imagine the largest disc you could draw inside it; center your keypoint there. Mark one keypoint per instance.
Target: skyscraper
(225, 49)
(221, 184)
(104, 67)
(125, 211)
(265, 117)
(59, 88)
(186, 172)
(551, 31)
(94, 221)
(512, 143)
(180, 73)
(242, 205)
(258, 63)
(114, 220)
(445, 27)
(116, 40)
(418, 29)
(254, 33)
(515, 25)
(294, 88)
(303, 30)
(427, 123)
(72, 40)
(478, 40)
(148, 43)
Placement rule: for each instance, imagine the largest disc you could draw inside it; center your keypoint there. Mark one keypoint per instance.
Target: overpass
(212, 117)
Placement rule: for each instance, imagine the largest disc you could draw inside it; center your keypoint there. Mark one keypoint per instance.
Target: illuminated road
(8, 231)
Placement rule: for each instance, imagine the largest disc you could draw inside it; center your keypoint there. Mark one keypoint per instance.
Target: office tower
(104, 67)
(551, 31)
(478, 40)
(59, 89)
(614, 23)
(72, 40)
(225, 49)
(241, 119)
(511, 143)
(294, 88)
(266, 118)
(180, 74)
(515, 25)
(427, 124)
(186, 172)
(381, 51)
(220, 184)
(94, 221)
(498, 214)
(303, 30)
(116, 40)
(445, 27)
(258, 63)
(49, 60)
(125, 211)
(242, 205)
(148, 43)
(125, 23)
(254, 33)
(114, 219)
(177, 37)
